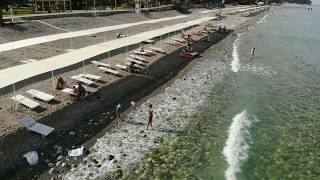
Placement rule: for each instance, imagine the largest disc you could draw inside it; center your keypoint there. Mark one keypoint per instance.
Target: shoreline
(99, 110)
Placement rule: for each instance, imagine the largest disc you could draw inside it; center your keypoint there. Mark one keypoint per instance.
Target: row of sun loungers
(87, 79)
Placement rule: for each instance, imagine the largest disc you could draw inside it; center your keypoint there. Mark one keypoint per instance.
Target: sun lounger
(34, 126)
(180, 40)
(108, 70)
(136, 61)
(25, 101)
(90, 90)
(137, 57)
(148, 41)
(141, 53)
(90, 76)
(97, 63)
(171, 42)
(123, 67)
(68, 91)
(136, 65)
(81, 79)
(160, 50)
(40, 95)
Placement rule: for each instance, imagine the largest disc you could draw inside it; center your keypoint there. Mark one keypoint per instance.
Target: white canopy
(21, 72)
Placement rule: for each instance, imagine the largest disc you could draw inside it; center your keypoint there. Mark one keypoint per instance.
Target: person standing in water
(252, 54)
(150, 111)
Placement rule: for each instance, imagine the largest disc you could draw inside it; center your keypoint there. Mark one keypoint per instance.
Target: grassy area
(18, 11)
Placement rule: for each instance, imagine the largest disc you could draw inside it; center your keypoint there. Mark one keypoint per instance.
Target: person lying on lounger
(133, 68)
(61, 83)
(120, 35)
(78, 91)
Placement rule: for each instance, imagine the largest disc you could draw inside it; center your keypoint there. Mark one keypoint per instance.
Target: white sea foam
(261, 70)
(235, 64)
(237, 146)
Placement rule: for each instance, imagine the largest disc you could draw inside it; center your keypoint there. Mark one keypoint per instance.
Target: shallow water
(281, 89)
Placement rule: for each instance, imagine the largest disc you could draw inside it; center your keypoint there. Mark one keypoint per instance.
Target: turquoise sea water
(275, 129)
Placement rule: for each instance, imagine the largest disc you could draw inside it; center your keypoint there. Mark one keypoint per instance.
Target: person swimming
(252, 54)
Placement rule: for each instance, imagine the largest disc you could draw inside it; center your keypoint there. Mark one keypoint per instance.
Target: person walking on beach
(118, 112)
(252, 54)
(150, 111)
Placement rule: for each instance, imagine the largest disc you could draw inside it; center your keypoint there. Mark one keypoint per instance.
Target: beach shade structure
(21, 72)
(40, 95)
(25, 101)
(34, 126)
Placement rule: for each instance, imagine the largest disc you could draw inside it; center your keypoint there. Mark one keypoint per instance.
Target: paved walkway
(19, 73)
(44, 39)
